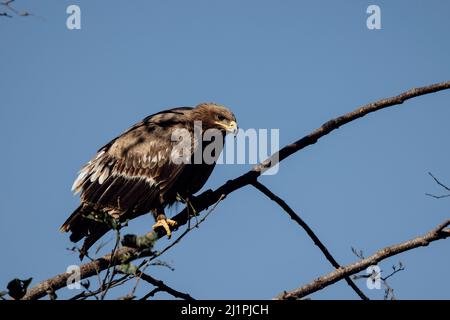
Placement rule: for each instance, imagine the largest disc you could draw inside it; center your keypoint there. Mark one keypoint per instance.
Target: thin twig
(442, 185)
(438, 182)
(393, 273)
(163, 287)
(150, 294)
(113, 273)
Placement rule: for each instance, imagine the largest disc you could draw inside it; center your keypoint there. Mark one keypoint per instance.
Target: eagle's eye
(220, 117)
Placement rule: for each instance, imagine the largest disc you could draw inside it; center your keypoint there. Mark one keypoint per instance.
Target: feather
(76, 187)
(104, 175)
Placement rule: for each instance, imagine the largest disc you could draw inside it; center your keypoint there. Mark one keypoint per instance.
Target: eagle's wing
(128, 176)
(135, 168)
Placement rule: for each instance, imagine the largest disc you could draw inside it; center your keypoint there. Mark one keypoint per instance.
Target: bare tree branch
(7, 4)
(87, 270)
(105, 284)
(114, 283)
(24, 13)
(150, 294)
(438, 233)
(440, 184)
(5, 14)
(209, 197)
(310, 233)
(163, 287)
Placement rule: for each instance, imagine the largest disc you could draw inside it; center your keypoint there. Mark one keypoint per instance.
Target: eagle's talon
(165, 223)
(171, 222)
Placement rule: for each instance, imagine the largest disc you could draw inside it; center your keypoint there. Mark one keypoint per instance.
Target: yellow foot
(165, 223)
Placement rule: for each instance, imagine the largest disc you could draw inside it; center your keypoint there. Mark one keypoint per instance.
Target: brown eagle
(136, 173)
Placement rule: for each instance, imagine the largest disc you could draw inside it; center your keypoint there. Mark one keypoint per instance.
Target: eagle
(137, 172)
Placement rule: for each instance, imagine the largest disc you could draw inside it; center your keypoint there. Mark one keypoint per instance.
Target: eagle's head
(217, 116)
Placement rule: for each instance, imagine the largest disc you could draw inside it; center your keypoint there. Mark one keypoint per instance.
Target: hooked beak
(230, 128)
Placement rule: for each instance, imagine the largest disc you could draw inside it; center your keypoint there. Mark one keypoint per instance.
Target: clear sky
(289, 65)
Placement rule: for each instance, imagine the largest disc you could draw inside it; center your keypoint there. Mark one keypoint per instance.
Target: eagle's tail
(67, 225)
(83, 227)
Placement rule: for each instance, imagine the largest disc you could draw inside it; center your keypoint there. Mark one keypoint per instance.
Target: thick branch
(208, 198)
(310, 233)
(437, 233)
(87, 270)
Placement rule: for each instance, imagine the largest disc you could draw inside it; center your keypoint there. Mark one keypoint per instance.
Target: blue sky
(289, 65)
